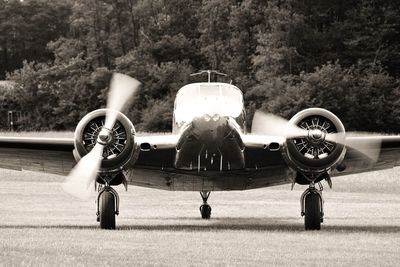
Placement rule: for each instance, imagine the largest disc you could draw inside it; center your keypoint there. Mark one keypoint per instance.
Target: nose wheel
(205, 209)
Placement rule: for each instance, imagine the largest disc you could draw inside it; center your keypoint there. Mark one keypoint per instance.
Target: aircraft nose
(214, 117)
(209, 127)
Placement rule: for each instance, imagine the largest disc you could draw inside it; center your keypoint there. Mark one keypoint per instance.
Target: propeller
(268, 124)
(81, 179)
(367, 144)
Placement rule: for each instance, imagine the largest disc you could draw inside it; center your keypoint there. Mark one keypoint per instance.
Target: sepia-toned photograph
(199, 133)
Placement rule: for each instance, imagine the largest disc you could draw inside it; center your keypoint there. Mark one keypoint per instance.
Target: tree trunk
(135, 25)
(5, 57)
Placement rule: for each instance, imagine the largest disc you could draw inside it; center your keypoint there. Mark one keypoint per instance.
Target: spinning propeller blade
(366, 143)
(81, 179)
(122, 89)
(269, 124)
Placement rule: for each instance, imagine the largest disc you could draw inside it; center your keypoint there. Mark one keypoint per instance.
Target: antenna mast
(208, 73)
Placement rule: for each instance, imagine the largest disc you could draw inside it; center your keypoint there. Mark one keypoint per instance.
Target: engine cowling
(313, 154)
(119, 153)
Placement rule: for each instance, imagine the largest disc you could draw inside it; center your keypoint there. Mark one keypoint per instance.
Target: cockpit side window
(186, 94)
(233, 94)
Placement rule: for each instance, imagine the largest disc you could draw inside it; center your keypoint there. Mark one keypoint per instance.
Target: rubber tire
(205, 211)
(107, 211)
(312, 216)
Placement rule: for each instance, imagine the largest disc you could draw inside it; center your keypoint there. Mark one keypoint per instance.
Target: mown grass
(41, 225)
(59, 134)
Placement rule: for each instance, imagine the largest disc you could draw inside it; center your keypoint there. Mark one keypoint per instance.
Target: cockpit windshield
(198, 99)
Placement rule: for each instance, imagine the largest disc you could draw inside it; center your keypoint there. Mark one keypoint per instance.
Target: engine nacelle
(119, 154)
(313, 154)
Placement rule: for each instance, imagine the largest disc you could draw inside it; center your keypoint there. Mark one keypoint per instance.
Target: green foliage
(276, 52)
(26, 27)
(363, 97)
(279, 53)
(56, 97)
(158, 115)
(371, 32)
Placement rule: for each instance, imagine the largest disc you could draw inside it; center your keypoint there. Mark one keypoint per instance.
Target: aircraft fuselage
(210, 153)
(209, 118)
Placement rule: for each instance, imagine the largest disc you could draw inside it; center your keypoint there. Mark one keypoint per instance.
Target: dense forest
(343, 55)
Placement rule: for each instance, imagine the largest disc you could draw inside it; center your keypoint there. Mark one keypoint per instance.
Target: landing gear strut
(312, 207)
(205, 209)
(107, 206)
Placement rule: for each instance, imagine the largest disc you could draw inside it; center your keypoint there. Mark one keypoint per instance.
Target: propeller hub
(316, 135)
(105, 136)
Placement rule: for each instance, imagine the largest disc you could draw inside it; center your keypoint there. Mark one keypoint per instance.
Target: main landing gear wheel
(107, 211)
(312, 208)
(205, 209)
(312, 217)
(107, 207)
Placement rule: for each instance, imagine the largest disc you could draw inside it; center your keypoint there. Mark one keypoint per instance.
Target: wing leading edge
(54, 155)
(51, 155)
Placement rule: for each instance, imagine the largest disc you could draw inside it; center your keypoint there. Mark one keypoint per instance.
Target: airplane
(209, 149)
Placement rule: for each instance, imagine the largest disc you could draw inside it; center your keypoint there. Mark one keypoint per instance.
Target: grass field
(41, 225)
(59, 134)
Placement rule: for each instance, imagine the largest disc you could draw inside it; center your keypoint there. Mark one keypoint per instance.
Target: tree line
(284, 55)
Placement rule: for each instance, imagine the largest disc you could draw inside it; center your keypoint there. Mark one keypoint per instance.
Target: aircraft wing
(51, 155)
(263, 151)
(388, 149)
(384, 153)
(54, 155)
(156, 151)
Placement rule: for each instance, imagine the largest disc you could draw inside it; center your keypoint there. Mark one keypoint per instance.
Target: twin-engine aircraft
(208, 150)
